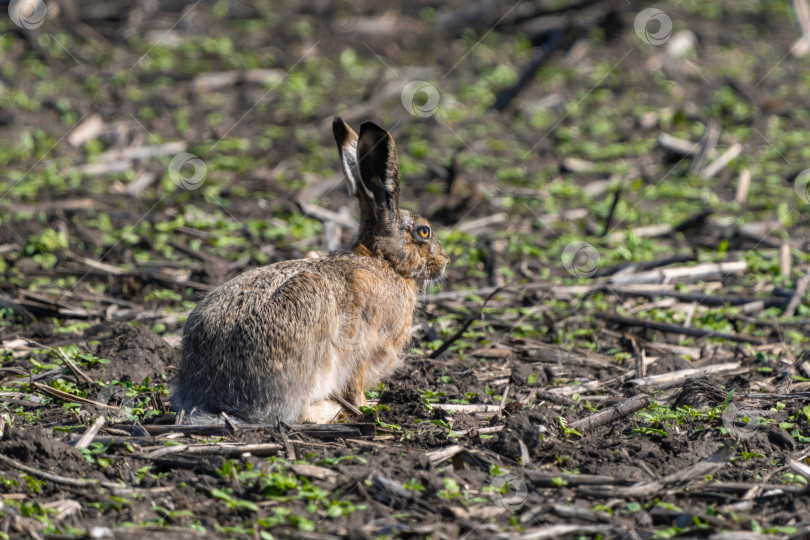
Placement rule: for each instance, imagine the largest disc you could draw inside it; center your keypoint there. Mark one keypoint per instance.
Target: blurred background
(153, 149)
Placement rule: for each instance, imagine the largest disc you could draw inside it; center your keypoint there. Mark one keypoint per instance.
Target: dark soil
(442, 454)
(139, 354)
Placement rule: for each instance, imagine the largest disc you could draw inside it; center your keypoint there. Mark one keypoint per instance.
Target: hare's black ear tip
(339, 127)
(371, 127)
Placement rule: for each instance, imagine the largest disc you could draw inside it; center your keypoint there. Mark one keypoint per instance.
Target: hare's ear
(379, 170)
(346, 140)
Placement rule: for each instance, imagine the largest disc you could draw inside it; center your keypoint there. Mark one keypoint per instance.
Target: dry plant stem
(676, 481)
(469, 409)
(51, 206)
(325, 215)
(142, 181)
(620, 410)
(800, 468)
(631, 268)
(617, 195)
(802, 45)
(503, 399)
(528, 71)
(683, 274)
(485, 222)
(674, 378)
(455, 337)
(222, 449)
(64, 480)
(546, 479)
(669, 291)
(706, 147)
(216, 80)
(541, 352)
(91, 432)
(69, 398)
(141, 152)
(677, 329)
(720, 163)
(78, 373)
(484, 430)
(677, 146)
(798, 295)
(313, 471)
(562, 531)
(350, 407)
(79, 482)
(443, 454)
(289, 449)
(785, 260)
(316, 430)
(738, 487)
(689, 315)
(511, 289)
(525, 458)
(90, 128)
(744, 184)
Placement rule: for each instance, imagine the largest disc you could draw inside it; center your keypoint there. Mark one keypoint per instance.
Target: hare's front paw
(355, 392)
(322, 412)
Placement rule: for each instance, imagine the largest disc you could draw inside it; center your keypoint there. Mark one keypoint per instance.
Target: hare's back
(300, 292)
(271, 291)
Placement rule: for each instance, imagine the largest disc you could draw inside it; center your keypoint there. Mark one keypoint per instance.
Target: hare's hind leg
(322, 412)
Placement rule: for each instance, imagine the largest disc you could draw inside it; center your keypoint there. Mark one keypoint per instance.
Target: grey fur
(277, 341)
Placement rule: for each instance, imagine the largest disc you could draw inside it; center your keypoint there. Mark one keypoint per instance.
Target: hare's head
(404, 239)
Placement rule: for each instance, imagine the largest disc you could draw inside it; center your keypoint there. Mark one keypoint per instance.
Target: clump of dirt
(526, 371)
(666, 364)
(404, 402)
(462, 421)
(134, 354)
(36, 447)
(522, 426)
(41, 330)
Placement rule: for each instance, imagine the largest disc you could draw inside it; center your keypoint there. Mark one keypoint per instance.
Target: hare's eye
(422, 233)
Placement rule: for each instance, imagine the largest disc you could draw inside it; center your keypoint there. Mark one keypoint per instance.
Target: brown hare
(280, 341)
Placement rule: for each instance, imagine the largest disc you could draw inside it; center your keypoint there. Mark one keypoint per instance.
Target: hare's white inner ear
(346, 140)
(348, 158)
(351, 168)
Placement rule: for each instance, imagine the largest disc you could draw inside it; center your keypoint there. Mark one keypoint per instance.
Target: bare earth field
(618, 349)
